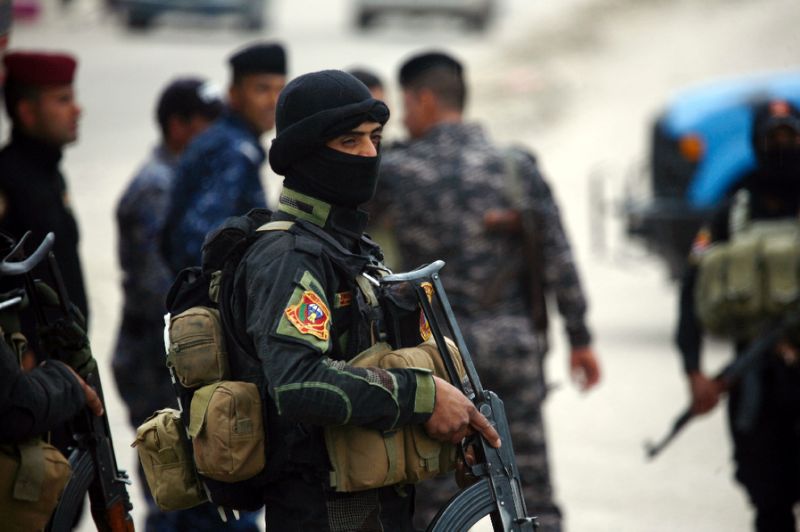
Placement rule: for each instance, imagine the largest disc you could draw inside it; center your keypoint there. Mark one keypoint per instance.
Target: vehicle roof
(691, 107)
(720, 112)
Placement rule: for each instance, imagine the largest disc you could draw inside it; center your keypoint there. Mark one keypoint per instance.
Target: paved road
(579, 80)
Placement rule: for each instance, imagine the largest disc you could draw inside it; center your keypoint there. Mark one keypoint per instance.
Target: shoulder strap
(531, 235)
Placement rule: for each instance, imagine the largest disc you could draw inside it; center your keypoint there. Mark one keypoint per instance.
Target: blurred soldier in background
(371, 80)
(40, 101)
(764, 406)
(451, 195)
(218, 175)
(186, 107)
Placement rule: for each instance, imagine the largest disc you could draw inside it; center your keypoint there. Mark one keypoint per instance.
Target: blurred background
(582, 83)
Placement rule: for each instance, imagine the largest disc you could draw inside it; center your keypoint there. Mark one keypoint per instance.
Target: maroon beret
(37, 68)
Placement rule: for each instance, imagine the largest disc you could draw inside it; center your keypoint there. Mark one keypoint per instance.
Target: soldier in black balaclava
(296, 305)
(764, 406)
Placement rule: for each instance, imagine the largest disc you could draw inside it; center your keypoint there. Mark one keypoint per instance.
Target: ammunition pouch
(752, 278)
(165, 454)
(364, 458)
(197, 350)
(33, 476)
(227, 431)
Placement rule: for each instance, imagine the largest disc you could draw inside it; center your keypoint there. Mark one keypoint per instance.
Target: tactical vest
(185, 454)
(752, 278)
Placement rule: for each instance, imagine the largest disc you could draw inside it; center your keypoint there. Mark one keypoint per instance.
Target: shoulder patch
(310, 315)
(701, 242)
(307, 316)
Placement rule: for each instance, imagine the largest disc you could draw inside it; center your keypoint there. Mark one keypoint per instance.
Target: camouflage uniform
(218, 177)
(436, 190)
(139, 359)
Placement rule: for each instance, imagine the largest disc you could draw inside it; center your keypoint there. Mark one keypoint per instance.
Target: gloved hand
(66, 341)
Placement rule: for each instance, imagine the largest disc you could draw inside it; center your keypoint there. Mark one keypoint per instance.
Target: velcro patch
(343, 299)
(310, 315)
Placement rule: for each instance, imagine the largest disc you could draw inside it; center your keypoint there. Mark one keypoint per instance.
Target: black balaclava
(779, 165)
(313, 109)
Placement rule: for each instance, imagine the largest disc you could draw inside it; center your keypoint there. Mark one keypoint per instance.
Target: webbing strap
(277, 225)
(391, 452)
(30, 476)
(200, 402)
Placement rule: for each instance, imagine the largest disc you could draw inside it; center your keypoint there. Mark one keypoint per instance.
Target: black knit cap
(259, 58)
(418, 64)
(316, 107)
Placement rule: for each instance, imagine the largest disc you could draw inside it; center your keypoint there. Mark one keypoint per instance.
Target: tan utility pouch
(197, 347)
(364, 458)
(227, 431)
(164, 453)
(753, 277)
(33, 476)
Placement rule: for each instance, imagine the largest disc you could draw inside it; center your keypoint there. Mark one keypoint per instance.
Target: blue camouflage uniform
(435, 191)
(218, 177)
(139, 359)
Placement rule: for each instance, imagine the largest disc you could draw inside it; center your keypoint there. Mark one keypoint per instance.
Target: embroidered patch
(310, 315)
(343, 299)
(424, 326)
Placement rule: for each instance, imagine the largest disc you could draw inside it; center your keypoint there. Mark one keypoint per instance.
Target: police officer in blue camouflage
(186, 107)
(449, 194)
(219, 175)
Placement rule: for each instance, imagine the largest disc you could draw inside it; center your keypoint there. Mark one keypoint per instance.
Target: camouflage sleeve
(289, 321)
(227, 185)
(140, 216)
(560, 271)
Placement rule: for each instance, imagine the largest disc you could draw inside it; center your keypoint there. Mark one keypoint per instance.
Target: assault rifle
(93, 462)
(497, 491)
(729, 376)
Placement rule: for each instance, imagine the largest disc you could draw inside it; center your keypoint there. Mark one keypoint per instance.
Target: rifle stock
(498, 490)
(728, 377)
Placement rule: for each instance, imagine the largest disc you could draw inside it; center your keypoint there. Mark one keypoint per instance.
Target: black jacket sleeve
(34, 402)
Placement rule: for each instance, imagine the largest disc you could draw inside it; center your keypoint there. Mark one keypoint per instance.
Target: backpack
(226, 469)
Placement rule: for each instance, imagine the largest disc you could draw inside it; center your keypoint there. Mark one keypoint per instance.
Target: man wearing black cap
(218, 175)
(764, 405)
(299, 312)
(441, 192)
(185, 108)
(40, 101)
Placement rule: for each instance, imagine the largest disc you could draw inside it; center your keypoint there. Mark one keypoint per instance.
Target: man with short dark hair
(40, 101)
(450, 194)
(218, 175)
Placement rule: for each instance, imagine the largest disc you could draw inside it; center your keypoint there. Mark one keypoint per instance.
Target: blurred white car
(141, 13)
(476, 13)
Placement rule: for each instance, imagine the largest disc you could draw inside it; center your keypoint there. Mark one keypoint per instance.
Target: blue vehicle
(700, 150)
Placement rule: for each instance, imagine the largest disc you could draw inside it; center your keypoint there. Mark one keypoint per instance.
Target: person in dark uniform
(295, 306)
(218, 175)
(766, 437)
(43, 399)
(40, 101)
